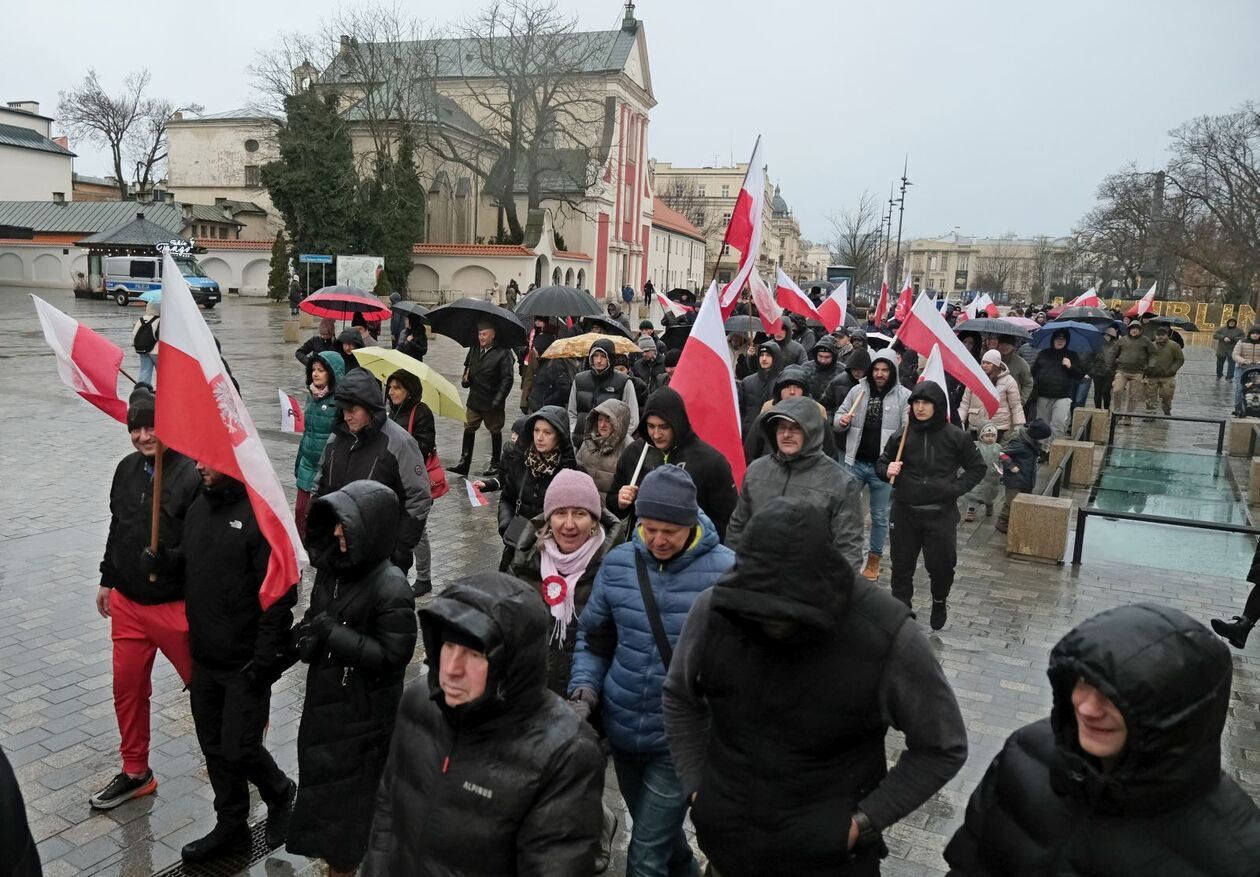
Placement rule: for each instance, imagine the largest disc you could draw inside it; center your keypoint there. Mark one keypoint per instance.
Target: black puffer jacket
(820, 376)
(1164, 808)
(355, 678)
(523, 492)
(225, 559)
(715, 484)
(383, 452)
(130, 514)
(415, 339)
(488, 377)
(553, 378)
(508, 784)
(757, 388)
(1051, 378)
(933, 454)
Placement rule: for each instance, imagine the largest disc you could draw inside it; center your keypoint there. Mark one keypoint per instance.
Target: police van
(129, 277)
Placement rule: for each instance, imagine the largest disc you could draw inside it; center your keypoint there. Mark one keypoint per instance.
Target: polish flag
(768, 310)
(925, 328)
(1144, 304)
(904, 300)
(1087, 299)
(881, 307)
(476, 498)
(705, 380)
(832, 311)
(669, 306)
(744, 230)
(88, 363)
(934, 370)
(980, 301)
(201, 415)
(792, 298)
(291, 417)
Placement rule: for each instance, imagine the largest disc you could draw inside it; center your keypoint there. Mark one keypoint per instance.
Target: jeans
(654, 799)
(1082, 394)
(880, 492)
(1221, 362)
(148, 369)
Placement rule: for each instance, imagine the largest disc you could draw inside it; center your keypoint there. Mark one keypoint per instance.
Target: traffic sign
(315, 259)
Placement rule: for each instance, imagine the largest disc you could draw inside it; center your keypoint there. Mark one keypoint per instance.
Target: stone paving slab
(57, 456)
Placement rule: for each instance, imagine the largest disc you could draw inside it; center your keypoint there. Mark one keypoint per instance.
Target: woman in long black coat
(358, 637)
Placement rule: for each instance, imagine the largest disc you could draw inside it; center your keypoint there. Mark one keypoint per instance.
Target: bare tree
(685, 195)
(146, 141)
(1045, 266)
(90, 113)
(1115, 232)
(856, 238)
(1002, 268)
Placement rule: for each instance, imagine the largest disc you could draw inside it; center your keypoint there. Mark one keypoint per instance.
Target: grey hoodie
(895, 402)
(810, 475)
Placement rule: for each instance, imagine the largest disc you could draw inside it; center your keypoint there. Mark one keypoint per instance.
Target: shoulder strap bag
(653, 612)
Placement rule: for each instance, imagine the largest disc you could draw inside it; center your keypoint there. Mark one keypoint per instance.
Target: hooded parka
(414, 415)
(756, 389)
(1164, 808)
(318, 419)
(1010, 412)
(819, 377)
(598, 455)
(845, 380)
(523, 489)
(590, 388)
(890, 417)
(508, 784)
(934, 452)
(355, 678)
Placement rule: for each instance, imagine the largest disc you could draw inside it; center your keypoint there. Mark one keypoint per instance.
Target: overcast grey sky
(1011, 111)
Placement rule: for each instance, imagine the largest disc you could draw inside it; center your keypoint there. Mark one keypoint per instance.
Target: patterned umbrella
(343, 302)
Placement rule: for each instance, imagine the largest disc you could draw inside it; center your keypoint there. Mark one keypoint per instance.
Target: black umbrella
(682, 296)
(557, 301)
(606, 325)
(411, 307)
(1177, 323)
(825, 285)
(989, 326)
(1099, 317)
(675, 336)
(458, 321)
(743, 324)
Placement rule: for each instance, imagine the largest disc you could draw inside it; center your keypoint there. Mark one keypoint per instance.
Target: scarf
(542, 465)
(560, 575)
(319, 393)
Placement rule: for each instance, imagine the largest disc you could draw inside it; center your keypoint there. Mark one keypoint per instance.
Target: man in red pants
(145, 616)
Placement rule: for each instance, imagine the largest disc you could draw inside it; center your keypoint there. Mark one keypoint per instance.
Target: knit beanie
(668, 494)
(140, 407)
(989, 429)
(992, 357)
(571, 489)
(646, 324)
(646, 343)
(1038, 430)
(672, 357)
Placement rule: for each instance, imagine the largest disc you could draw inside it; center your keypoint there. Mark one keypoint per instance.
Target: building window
(726, 219)
(932, 263)
(701, 190)
(678, 187)
(252, 177)
(726, 191)
(251, 145)
(962, 262)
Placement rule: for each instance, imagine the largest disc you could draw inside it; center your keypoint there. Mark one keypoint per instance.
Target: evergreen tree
(278, 279)
(394, 214)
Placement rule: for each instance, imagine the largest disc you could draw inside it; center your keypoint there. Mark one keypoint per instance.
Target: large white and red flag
(835, 308)
(201, 415)
(924, 328)
(881, 306)
(1087, 299)
(934, 371)
(905, 299)
(744, 230)
(1144, 304)
(768, 309)
(705, 380)
(792, 298)
(88, 363)
(669, 306)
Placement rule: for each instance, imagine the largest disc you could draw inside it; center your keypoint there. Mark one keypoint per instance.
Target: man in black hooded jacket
(756, 389)
(665, 431)
(788, 777)
(822, 369)
(595, 386)
(366, 444)
(488, 772)
(926, 486)
(1125, 775)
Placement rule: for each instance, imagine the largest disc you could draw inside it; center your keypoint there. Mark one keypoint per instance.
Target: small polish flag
(1144, 304)
(768, 309)
(980, 301)
(1087, 299)
(475, 497)
(835, 308)
(905, 300)
(743, 232)
(792, 298)
(934, 371)
(291, 417)
(87, 362)
(925, 328)
(669, 306)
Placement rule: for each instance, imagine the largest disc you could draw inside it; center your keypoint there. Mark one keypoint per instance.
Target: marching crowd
(726, 647)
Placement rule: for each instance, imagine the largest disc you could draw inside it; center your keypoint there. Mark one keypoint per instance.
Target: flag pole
(726, 234)
(122, 371)
(901, 447)
(155, 521)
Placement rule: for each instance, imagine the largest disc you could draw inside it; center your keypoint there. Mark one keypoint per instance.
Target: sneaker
(123, 788)
(278, 817)
(420, 588)
(604, 855)
(940, 612)
(221, 840)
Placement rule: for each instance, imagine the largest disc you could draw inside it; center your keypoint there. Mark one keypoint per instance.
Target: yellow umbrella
(579, 346)
(439, 393)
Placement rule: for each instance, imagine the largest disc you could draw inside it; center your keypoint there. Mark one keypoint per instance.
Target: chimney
(629, 24)
(140, 214)
(345, 43)
(59, 197)
(219, 201)
(170, 197)
(177, 116)
(63, 141)
(25, 106)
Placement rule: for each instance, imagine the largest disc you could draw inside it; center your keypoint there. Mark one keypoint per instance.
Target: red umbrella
(343, 302)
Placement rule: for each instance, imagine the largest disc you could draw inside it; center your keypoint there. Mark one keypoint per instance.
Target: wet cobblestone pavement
(57, 456)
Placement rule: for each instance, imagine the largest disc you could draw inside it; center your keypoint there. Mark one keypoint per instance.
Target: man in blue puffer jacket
(676, 550)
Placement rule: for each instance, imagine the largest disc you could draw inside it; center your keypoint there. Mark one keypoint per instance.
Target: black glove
(156, 563)
(402, 558)
(309, 636)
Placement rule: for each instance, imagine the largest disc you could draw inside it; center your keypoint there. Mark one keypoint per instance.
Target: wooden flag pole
(857, 400)
(900, 447)
(157, 506)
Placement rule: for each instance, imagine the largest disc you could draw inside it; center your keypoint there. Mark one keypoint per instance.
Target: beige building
(817, 258)
(1010, 268)
(677, 254)
(34, 166)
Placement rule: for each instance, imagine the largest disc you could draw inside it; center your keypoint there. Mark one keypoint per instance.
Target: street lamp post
(901, 211)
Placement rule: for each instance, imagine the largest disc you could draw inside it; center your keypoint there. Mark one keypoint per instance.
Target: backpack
(146, 336)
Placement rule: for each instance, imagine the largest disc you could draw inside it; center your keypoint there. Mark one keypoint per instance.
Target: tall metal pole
(888, 223)
(901, 211)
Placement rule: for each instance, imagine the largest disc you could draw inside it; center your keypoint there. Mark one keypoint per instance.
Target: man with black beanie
(146, 613)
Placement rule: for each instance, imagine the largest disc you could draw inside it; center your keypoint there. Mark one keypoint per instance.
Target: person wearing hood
(1019, 464)
(823, 367)
(319, 416)
(787, 776)
(871, 413)
(1125, 775)
(792, 383)
(797, 466)
(366, 444)
(597, 384)
(145, 613)
(542, 450)
(607, 432)
(1010, 412)
(144, 338)
(640, 599)
(408, 409)
(414, 341)
(1161, 372)
(1102, 369)
(348, 342)
(986, 492)
(489, 773)
(238, 650)
(488, 377)
(850, 375)
(1226, 337)
(324, 340)
(756, 389)
(357, 636)
(665, 436)
(935, 466)
(1055, 375)
(1129, 358)
(792, 351)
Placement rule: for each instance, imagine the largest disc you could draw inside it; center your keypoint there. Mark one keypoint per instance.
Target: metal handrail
(1083, 513)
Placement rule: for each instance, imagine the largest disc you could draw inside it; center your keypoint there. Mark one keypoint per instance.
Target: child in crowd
(986, 491)
(1019, 465)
